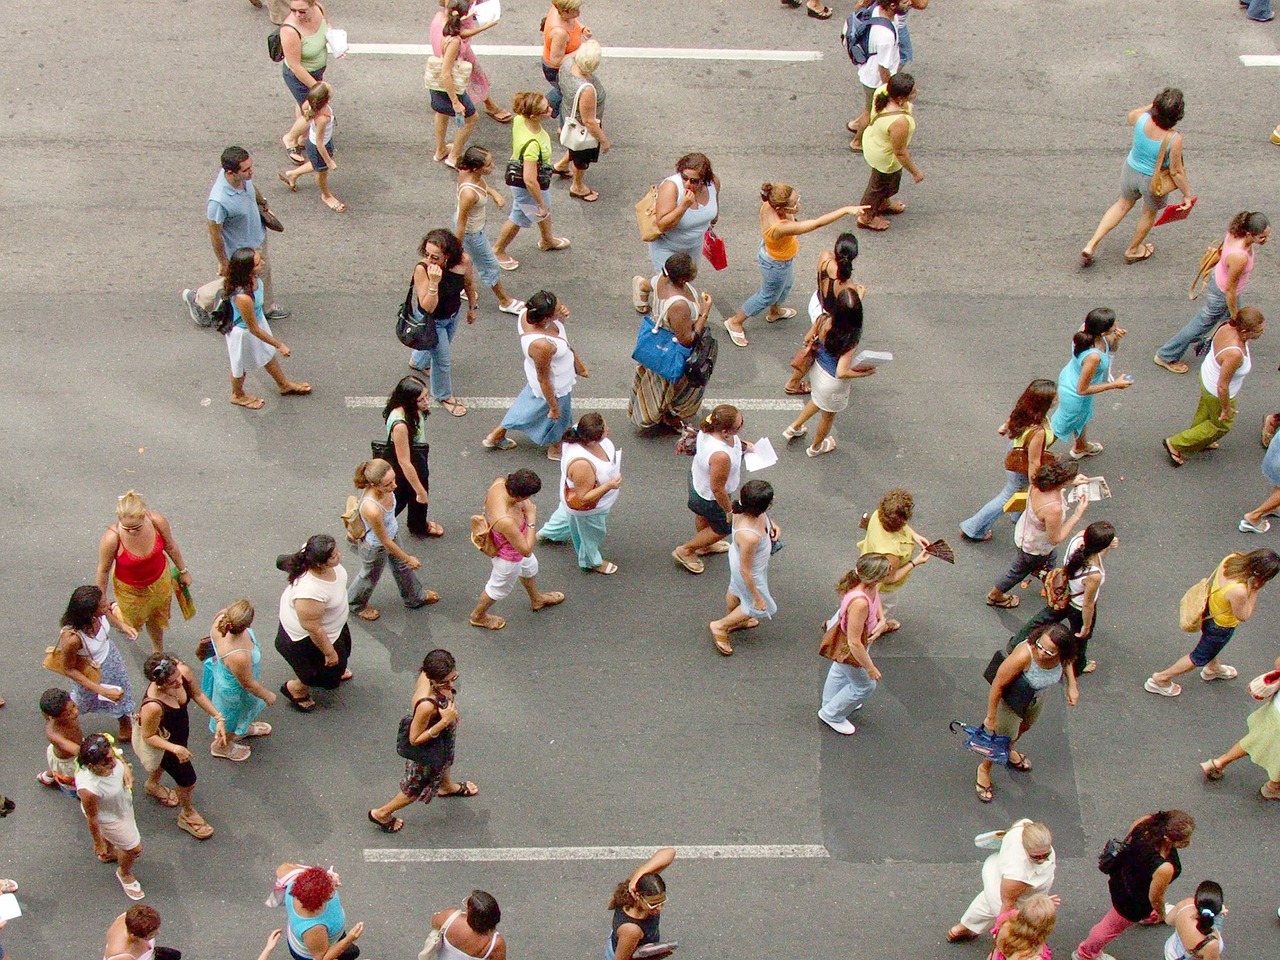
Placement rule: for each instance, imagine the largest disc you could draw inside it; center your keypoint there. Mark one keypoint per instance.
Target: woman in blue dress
(230, 680)
(1087, 373)
(754, 540)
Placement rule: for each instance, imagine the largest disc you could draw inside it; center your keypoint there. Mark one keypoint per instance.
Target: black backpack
(857, 33)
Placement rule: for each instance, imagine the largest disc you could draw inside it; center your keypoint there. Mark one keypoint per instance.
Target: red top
(140, 572)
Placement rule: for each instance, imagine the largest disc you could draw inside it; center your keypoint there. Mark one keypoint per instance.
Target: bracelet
(184, 571)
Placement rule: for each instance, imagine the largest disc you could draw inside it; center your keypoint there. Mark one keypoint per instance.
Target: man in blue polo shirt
(235, 220)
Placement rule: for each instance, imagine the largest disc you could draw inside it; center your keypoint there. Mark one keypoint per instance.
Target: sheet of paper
(9, 908)
(487, 11)
(1096, 489)
(762, 456)
(871, 358)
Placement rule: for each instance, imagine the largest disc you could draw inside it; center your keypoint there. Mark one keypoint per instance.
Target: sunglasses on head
(163, 670)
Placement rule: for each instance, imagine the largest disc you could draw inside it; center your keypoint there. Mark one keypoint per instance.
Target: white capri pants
(505, 573)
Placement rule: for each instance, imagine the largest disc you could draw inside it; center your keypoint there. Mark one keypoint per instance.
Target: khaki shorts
(149, 605)
(1009, 724)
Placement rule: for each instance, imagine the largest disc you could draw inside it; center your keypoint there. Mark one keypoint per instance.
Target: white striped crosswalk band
(595, 403)
(615, 53)
(771, 851)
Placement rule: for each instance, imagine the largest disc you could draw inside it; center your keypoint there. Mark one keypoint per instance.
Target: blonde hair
(588, 56)
(528, 104)
(777, 195)
(870, 569)
(371, 473)
(1029, 928)
(1036, 836)
(237, 618)
(130, 505)
(318, 95)
(567, 6)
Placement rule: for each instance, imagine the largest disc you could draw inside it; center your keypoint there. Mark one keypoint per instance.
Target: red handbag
(713, 250)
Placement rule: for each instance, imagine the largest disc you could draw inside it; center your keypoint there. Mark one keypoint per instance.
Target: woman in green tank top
(304, 37)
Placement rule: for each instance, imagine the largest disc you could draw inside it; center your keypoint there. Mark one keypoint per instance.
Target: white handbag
(1265, 686)
(431, 77)
(574, 135)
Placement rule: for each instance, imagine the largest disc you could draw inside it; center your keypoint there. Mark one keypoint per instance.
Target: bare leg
(291, 177)
(1231, 756)
(481, 613)
(157, 638)
(1184, 665)
(127, 858)
(240, 398)
(735, 615)
(544, 231)
(462, 136)
(579, 183)
(330, 201)
(1145, 223)
(1110, 220)
(737, 321)
(284, 383)
(388, 809)
(297, 689)
(504, 298)
(1268, 505)
(505, 236)
(538, 599)
(704, 538)
(441, 129)
(496, 436)
(809, 410)
(297, 133)
(825, 420)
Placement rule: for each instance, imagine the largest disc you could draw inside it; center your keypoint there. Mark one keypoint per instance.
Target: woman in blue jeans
(852, 677)
(780, 242)
(1027, 429)
(439, 279)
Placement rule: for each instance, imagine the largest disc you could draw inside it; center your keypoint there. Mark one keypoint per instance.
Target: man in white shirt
(882, 63)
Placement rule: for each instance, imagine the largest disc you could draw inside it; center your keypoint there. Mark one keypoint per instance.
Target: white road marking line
(614, 53)
(769, 851)
(592, 403)
(1257, 60)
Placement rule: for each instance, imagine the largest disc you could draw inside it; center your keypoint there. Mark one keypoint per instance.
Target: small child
(320, 160)
(62, 727)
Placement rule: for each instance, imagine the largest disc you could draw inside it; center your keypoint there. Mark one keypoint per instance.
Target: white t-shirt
(333, 594)
(882, 44)
(1012, 862)
(115, 803)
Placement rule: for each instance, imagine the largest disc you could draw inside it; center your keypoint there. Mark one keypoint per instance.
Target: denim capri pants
(776, 277)
(1213, 638)
(521, 196)
(297, 89)
(477, 245)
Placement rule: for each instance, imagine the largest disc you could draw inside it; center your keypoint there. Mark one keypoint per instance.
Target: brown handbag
(1162, 180)
(647, 215)
(1017, 460)
(835, 645)
(55, 660)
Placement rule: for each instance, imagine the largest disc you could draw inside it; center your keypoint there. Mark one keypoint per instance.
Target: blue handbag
(987, 745)
(657, 349)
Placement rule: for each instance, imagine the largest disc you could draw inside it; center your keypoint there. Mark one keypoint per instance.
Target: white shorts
(505, 573)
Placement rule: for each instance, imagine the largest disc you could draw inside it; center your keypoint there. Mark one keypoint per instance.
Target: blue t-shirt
(236, 211)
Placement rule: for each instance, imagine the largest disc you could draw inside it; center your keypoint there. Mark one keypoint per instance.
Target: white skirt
(247, 352)
(830, 394)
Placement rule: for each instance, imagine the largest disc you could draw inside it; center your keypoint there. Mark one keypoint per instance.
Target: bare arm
(587, 492)
(171, 546)
(1236, 263)
(1057, 524)
(541, 352)
(792, 228)
(240, 663)
(718, 470)
(1035, 452)
(244, 303)
(466, 200)
(219, 247)
(1010, 892)
(667, 212)
(1160, 881)
(291, 44)
(1242, 598)
(311, 615)
(587, 107)
(1089, 602)
(426, 284)
(371, 510)
(559, 40)
(1136, 113)
(1013, 667)
(404, 456)
(655, 864)
(107, 548)
(899, 136)
(72, 650)
(451, 47)
(1230, 364)
(845, 370)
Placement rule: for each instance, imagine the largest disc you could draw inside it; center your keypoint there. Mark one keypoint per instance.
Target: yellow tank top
(1219, 605)
(1025, 437)
(875, 140)
(780, 246)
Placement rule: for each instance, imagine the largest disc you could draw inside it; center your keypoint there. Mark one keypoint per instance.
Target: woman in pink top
(1023, 932)
(512, 517)
(477, 87)
(1222, 292)
(853, 677)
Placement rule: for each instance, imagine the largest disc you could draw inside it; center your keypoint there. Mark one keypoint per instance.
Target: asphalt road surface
(611, 721)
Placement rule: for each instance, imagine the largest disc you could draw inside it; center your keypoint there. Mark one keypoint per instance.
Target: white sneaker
(839, 726)
(199, 316)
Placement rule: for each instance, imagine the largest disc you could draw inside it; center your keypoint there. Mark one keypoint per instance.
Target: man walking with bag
(237, 215)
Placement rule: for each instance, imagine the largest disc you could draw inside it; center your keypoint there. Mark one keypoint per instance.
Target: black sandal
(301, 704)
(394, 825)
(823, 14)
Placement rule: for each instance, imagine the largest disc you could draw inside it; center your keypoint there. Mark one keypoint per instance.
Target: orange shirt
(575, 35)
(779, 246)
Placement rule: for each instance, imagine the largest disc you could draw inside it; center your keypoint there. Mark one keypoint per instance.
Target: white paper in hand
(487, 11)
(9, 909)
(762, 456)
(871, 358)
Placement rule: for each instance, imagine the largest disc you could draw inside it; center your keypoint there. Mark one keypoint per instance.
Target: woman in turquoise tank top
(1152, 125)
(1087, 373)
(316, 921)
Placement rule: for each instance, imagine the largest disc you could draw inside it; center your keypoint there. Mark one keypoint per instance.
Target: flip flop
(693, 566)
(893, 208)
(1008, 603)
(259, 728)
(465, 789)
(107, 858)
(878, 224)
(591, 196)
(490, 622)
(238, 752)
(720, 546)
(557, 243)
(291, 184)
(1147, 250)
(562, 174)
(1175, 457)
(554, 598)
(454, 406)
(8, 886)
(1176, 366)
(394, 825)
(986, 795)
(441, 157)
(369, 614)
(1211, 770)
(721, 640)
(162, 795)
(1169, 690)
(965, 935)
(506, 443)
(823, 14)
(510, 263)
(802, 391)
(296, 155)
(296, 390)
(786, 314)
(337, 206)
(1086, 260)
(608, 568)
(737, 336)
(131, 890)
(249, 403)
(826, 446)
(1023, 765)
(301, 704)
(434, 529)
(513, 308)
(499, 116)
(748, 624)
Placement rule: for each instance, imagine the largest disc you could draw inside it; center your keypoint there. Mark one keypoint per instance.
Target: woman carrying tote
(679, 308)
(474, 194)
(835, 276)
(1261, 745)
(440, 278)
(376, 483)
(448, 102)
(1030, 435)
(780, 233)
(530, 201)
(584, 94)
(859, 622)
(688, 206)
(406, 415)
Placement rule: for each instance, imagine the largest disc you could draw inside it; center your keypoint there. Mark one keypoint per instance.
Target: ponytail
(1208, 905)
(589, 429)
(315, 553)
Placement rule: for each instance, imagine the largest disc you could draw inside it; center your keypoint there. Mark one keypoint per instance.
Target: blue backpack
(857, 33)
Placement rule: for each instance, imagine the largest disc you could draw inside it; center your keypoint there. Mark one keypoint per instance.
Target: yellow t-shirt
(901, 544)
(876, 147)
(521, 149)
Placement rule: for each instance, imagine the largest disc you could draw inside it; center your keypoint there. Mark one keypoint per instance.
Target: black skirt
(308, 662)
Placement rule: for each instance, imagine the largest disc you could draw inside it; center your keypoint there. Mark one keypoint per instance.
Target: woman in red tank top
(139, 548)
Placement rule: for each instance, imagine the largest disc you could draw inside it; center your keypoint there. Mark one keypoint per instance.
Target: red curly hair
(313, 888)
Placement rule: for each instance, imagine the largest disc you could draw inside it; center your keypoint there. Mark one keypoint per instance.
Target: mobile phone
(1128, 378)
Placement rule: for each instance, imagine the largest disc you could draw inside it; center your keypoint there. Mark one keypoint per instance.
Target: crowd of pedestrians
(141, 569)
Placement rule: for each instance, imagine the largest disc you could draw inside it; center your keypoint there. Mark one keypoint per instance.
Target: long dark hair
(1208, 904)
(405, 397)
(899, 87)
(846, 324)
(1172, 825)
(240, 272)
(650, 885)
(846, 251)
(82, 608)
(1032, 406)
(448, 244)
(1098, 321)
(1097, 536)
(315, 553)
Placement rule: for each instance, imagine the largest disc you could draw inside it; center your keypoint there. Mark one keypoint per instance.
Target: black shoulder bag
(515, 170)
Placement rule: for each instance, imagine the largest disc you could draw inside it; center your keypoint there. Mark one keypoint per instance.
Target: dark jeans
(405, 497)
(1024, 565)
(1213, 638)
(1075, 620)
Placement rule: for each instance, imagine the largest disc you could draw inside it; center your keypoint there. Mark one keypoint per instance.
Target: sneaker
(199, 315)
(1248, 526)
(277, 313)
(839, 726)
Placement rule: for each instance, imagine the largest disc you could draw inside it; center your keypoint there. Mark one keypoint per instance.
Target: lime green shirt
(522, 132)
(875, 139)
(315, 53)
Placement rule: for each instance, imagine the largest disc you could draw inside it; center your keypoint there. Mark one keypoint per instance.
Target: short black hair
(232, 157)
(438, 664)
(53, 701)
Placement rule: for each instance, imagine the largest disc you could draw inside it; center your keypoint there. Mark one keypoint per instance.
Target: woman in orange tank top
(562, 33)
(139, 548)
(780, 232)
